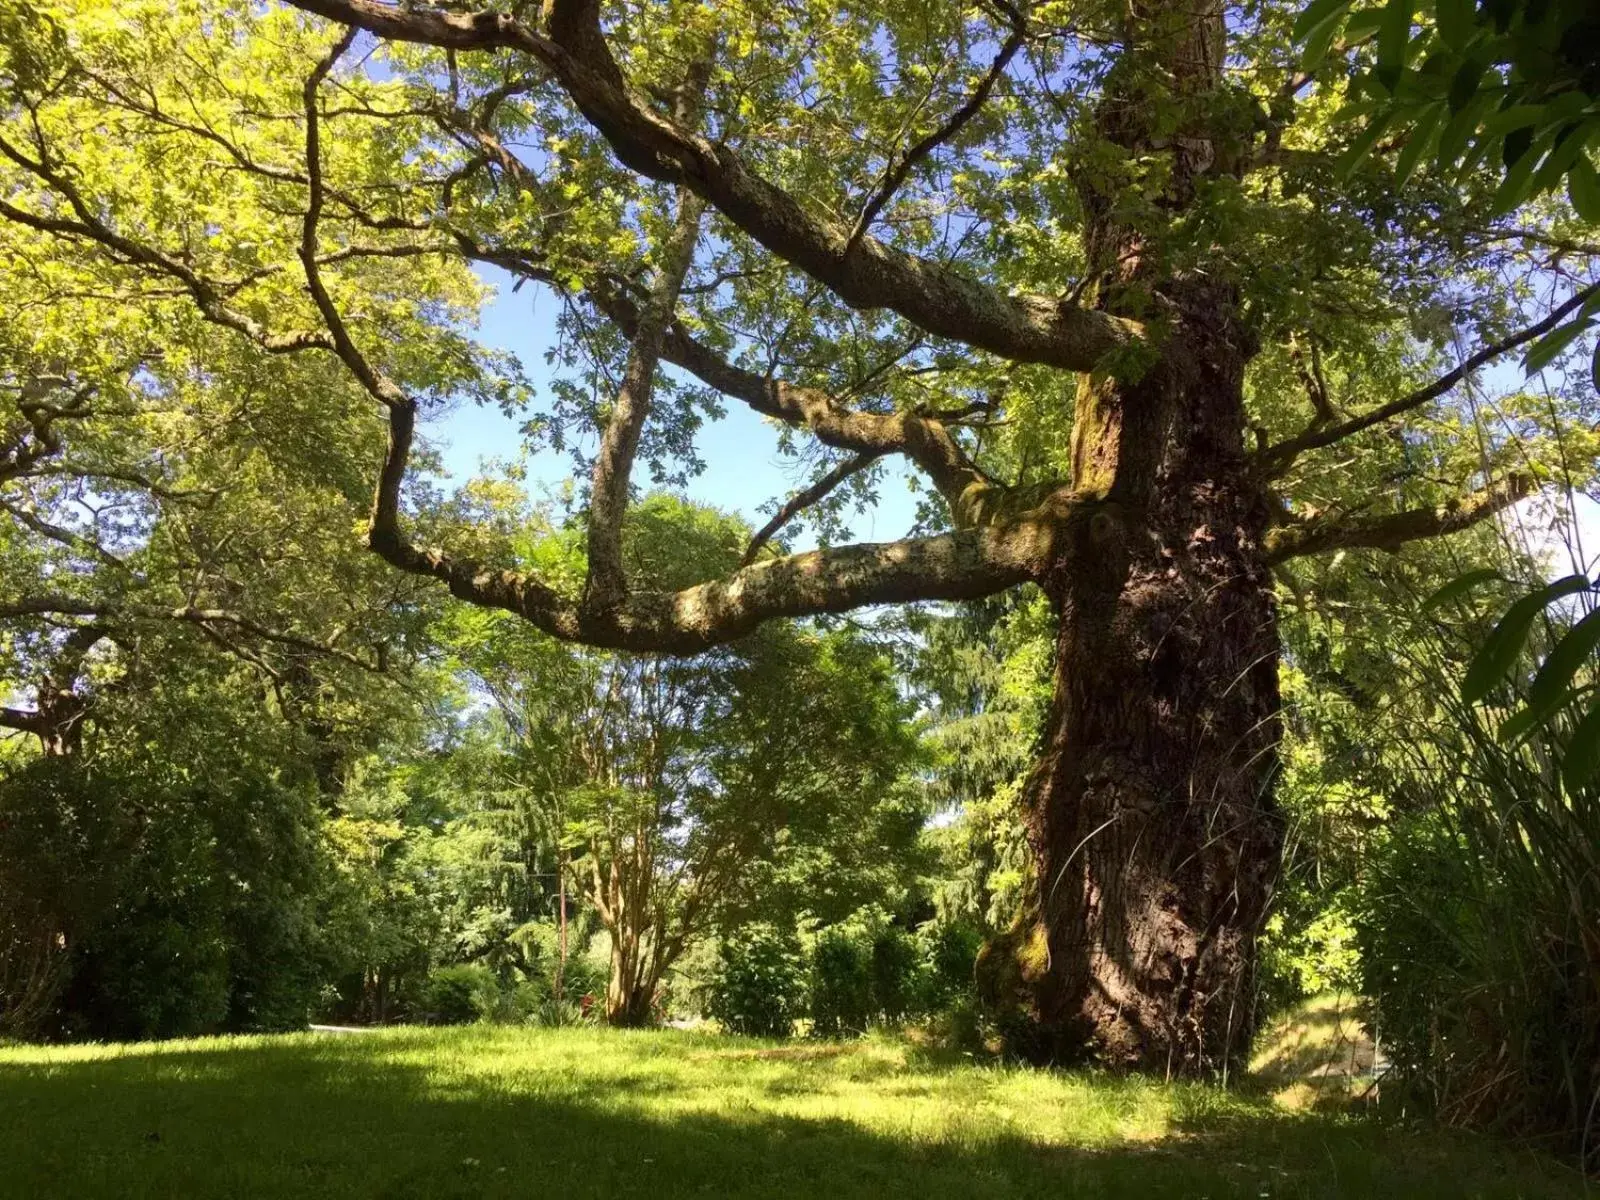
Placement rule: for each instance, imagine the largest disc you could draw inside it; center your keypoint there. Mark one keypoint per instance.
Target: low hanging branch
(961, 565)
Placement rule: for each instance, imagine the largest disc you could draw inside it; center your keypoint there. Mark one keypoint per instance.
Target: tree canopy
(1123, 287)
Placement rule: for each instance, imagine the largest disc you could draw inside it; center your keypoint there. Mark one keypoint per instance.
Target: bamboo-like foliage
(1482, 937)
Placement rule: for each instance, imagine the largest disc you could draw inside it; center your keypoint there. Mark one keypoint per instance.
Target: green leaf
(1350, 160)
(1520, 723)
(1315, 14)
(1582, 758)
(1564, 156)
(1459, 586)
(1457, 20)
(1515, 117)
(1516, 186)
(1576, 646)
(1500, 649)
(1548, 348)
(1453, 139)
(1464, 85)
(1517, 143)
(1393, 34)
(1318, 41)
(1583, 187)
(1362, 25)
(1422, 138)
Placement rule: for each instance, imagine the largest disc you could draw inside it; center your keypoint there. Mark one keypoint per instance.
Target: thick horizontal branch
(863, 272)
(1277, 459)
(25, 720)
(955, 566)
(1393, 530)
(923, 438)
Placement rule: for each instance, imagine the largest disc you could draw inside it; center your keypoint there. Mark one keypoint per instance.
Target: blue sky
(743, 467)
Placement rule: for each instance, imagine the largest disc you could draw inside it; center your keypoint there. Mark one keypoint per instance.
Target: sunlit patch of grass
(586, 1112)
(1318, 1053)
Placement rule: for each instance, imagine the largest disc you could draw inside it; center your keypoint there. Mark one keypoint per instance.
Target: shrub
(898, 981)
(460, 994)
(868, 971)
(949, 951)
(136, 904)
(841, 983)
(758, 987)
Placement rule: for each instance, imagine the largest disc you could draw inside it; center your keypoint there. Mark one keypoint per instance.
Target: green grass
(590, 1113)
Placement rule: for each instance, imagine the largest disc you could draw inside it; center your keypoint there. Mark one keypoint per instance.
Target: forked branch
(619, 441)
(804, 499)
(899, 168)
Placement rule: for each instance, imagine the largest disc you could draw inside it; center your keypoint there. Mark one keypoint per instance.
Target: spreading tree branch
(1393, 530)
(107, 613)
(88, 225)
(865, 274)
(38, 439)
(1277, 459)
(899, 169)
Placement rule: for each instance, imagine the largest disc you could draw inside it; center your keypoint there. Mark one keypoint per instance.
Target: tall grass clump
(1480, 928)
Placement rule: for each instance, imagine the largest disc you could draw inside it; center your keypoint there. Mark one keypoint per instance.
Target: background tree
(686, 792)
(1105, 295)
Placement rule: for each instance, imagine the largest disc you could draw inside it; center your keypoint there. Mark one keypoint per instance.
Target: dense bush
(136, 903)
(841, 983)
(860, 973)
(758, 987)
(899, 983)
(870, 971)
(949, 950)
(460, 995)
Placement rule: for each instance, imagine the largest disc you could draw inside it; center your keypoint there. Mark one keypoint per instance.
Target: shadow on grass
(334, 1119)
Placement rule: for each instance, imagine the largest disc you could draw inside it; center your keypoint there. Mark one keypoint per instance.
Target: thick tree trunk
(629, 1006)
(631, 989)
(1150, 809)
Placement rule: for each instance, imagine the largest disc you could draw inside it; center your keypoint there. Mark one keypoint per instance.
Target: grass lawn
(593, 1113)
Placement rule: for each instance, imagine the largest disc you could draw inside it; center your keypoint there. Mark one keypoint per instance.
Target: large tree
(1086, 267)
